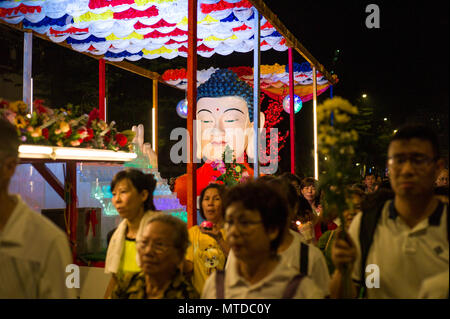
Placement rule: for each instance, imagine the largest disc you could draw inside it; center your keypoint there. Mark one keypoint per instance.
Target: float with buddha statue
(224, 132)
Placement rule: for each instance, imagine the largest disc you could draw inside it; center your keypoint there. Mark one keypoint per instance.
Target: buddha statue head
(225, 117)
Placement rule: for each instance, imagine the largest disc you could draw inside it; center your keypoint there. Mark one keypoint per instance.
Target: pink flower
(83, 133)
(219, 166)
(9, 115)
(90, 135)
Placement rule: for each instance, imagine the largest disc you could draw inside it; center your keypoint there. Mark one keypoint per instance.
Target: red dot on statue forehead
(217, 109)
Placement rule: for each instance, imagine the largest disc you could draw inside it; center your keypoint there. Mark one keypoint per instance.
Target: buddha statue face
(223, 117)
(222, 121)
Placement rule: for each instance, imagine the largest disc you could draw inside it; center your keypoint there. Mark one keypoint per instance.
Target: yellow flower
(342, 118)
(330, 140)
(338, 103)
(64, 127)
(23, 107)
(238, 169)
(103, 126)
(14, 106)
(20, 122)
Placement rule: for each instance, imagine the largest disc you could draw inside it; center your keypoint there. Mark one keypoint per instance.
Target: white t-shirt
(405, 257)
(270, 287)
(317, 267)
(34, 254)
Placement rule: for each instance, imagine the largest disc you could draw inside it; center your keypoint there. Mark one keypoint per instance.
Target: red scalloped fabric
(174, 74)
(204, 48)
(223, 5)
(243, 27)
(95, 4)
(241, 70)
(133, 13)
(23, 9)
(71, 30)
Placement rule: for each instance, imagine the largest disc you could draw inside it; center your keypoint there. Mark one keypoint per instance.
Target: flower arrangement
(336, 139)
(64, 127)
(232, 173)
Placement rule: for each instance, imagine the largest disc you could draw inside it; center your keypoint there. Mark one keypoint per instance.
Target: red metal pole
(291, 112)
(71, 204)
(101, 89)
(192, 109)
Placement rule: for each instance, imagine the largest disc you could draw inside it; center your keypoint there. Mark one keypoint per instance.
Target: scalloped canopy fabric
(135, 29)
(272, 76)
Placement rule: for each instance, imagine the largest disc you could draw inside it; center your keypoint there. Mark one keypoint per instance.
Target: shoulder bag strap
(220, 284)
(292, 286)
(304, 249)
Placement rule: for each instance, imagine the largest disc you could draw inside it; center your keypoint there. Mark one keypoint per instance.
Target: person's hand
(343, 252)
(214, 232)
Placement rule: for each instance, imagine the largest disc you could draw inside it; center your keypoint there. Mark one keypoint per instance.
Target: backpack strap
(446, 209)
(304, 254)
(220, 284)
(369, 221)
(292, 286)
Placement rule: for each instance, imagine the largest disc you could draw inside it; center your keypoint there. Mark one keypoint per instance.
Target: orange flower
(64, 127)
(37, 132)
(75, 143)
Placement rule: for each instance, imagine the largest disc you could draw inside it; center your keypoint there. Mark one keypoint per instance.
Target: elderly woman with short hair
(254, 233)
(161, 248)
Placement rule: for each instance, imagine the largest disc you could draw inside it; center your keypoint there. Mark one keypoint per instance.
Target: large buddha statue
(224, 118)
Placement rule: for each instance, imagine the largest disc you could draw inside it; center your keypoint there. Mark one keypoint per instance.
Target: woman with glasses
(254, 234)
(308, 189)
(209, 250)
(132, 192)
(317, 226)
(161, 246)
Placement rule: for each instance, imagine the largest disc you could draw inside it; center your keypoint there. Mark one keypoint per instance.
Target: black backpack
(371, 214)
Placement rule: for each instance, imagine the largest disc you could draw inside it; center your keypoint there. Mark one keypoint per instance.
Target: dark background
(402, 67)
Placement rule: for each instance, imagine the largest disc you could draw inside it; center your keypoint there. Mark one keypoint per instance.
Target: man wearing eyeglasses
(409, 234)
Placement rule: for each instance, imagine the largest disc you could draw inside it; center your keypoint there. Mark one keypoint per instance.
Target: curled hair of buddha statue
(225, 82)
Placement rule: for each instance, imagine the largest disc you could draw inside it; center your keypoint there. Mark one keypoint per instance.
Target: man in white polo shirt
(34, 253)
(406, 243)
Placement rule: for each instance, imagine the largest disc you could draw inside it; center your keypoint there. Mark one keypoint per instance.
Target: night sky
(402, 66)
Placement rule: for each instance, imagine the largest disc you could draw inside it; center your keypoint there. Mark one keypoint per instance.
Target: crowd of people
(265, 238)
